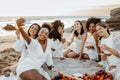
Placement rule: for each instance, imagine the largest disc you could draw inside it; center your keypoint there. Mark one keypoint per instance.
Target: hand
(63, 40)
(79, 58)
(103, 47)
(68, 43)
(90, 47)
(98, 65)
(54, 69)
(20, 22)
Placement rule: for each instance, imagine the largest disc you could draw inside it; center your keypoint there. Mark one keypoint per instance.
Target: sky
(56, 7)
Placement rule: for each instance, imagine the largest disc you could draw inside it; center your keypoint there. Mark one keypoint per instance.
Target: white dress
(58, 46)
(114, 43)
(20, 45)
(90, 41)
(75, 45)
(36, 58)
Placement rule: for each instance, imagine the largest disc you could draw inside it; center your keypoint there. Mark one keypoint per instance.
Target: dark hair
(37, 31)
(55, 24)
(104, 25)
(46, 25)
(82, 29)
(54, 32)
(92, 20)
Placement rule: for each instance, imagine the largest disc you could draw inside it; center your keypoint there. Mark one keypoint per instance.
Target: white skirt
(93, 55)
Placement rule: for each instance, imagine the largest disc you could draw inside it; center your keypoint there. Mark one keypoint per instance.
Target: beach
(7, 42)
(9, 56)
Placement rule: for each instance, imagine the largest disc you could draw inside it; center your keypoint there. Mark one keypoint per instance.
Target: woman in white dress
(78, 33)
(21, 46)
(110, 46)
(56, 37)
(39, 52)
(90, 48)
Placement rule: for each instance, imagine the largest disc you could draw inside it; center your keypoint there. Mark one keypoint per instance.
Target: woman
(20, 45)
(110, 46)
(56, 36)
(90, 48)
(74, 49)
(39, 52)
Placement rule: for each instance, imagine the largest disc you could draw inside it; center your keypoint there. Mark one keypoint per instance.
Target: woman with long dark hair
(78, 33)
(56, 37)
(20, 46)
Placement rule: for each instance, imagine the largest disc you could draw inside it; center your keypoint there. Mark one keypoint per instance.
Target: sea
(67, 20)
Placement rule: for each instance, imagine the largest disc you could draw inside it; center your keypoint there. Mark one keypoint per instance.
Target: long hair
(54, 32)
(37, 31)
(82, 29)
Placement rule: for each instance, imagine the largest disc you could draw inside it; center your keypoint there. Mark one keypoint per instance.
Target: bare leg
(32, 75)
(72, 55)
(66, 52)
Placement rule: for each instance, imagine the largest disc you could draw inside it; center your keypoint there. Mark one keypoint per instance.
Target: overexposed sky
(49, 7)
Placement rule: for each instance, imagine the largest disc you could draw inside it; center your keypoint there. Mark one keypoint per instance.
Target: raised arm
(20, 23)
(97, 42)
(82, 45)
(72, 38)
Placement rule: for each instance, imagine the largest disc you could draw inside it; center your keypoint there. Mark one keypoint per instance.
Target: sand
(7, 42)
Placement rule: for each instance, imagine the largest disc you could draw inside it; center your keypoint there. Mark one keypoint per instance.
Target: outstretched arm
(20, 23)
(114, 52)
(82, 45)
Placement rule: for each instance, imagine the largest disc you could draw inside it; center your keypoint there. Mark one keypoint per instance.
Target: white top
(20, 45)
(58, 46)
(37, 55)
(36, 58)
(90, 41)
(114, 43)
(75, 46)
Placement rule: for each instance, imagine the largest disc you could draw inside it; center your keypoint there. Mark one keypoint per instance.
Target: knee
(69, 56)
(65, 53)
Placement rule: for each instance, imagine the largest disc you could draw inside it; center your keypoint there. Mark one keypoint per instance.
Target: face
(92, 28)
(33, 30)
(43, 34)
(101, 31)
(60, 30)
(77, 26)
